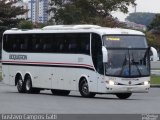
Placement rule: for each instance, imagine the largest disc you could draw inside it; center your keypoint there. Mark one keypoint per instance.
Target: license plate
(129, 89)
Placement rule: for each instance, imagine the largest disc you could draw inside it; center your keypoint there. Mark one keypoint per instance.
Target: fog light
(146, 83)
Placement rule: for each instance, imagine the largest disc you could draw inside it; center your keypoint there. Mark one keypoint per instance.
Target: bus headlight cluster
(146, 83)
(110, 82)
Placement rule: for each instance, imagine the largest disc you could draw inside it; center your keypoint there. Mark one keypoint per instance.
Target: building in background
(132, 25)
(38, 10)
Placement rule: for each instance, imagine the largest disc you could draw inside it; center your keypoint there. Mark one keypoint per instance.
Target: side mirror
(105, 54)
(155, 54)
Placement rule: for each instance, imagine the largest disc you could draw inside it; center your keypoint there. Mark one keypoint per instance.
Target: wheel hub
(85, 88)
(28, 85)
(19, 84)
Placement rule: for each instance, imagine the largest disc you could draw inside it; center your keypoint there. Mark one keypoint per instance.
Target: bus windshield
(128, 56)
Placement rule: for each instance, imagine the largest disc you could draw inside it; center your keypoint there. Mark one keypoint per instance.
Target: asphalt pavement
(139, 103)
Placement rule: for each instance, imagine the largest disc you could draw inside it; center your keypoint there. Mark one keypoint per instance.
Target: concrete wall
(155, 65)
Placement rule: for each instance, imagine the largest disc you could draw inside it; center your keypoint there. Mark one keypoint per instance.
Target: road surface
(13, 102)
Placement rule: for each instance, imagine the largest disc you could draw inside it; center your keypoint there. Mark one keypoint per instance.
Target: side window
(84, 43)
(15, 43)
(47, 43)
(23, 43)
(97, 53)
(59, 43)
(11, 43)
(71, 43)
(6, 45)
(38, 43)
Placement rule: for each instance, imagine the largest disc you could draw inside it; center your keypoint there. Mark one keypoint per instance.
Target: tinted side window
(84, 43)
(6, 44)
(76, 43)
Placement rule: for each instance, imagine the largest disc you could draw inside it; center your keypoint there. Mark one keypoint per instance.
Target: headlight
(110, 82)
(146, 83)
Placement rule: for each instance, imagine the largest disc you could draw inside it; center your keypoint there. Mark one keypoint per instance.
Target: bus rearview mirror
(105, 54)
(155, 54)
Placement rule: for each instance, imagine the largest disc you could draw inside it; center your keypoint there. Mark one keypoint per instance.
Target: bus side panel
(92, 81)
(65, 78)
(13, 70)
(101, 84)
(36, 76)
(5, 75)
(45, 77)
(71, 78)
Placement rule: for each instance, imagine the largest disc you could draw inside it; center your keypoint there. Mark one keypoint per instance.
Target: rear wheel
(60, 92)
(123, 95)
(20, 85)
(28, 86)
(84, 89)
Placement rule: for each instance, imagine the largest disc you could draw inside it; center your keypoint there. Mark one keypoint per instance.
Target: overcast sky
(152, 6)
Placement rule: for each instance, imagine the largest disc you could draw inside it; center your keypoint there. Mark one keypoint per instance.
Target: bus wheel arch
(19, 82)
(84, 88)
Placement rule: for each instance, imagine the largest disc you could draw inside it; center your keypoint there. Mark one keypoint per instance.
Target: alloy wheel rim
(19, 84)
(85, 88)
(28, 85)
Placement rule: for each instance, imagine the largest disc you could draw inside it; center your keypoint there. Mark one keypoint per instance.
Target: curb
(155, 86)
(1, 83)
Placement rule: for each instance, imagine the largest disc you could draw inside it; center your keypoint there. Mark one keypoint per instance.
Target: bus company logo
(129, 82)
(18, 57)
(150, 117)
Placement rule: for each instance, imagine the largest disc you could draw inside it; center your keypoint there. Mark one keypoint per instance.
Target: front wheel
(84, 89)
(123, 95)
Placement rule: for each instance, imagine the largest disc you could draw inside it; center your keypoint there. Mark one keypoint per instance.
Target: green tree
(152, 40)
(154, 29)
(88, 11)
(25, 24)
(155, 25)
(8, 13)
(141, 18)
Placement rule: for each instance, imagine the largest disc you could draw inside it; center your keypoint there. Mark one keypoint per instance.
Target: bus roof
(76, 29)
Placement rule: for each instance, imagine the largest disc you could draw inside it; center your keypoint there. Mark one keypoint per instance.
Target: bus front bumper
(127, 88)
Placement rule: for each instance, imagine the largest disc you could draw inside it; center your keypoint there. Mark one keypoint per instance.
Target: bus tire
(28, 86)
(60, 92)
(123, 95)
(84, 89)
(20, 84)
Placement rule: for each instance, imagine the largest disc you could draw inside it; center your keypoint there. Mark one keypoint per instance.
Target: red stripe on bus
(47, 63)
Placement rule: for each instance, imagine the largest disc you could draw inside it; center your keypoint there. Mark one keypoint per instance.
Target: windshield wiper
(134, 63)
(124, 63)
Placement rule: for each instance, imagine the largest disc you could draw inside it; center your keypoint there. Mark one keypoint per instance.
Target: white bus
(85, 58)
